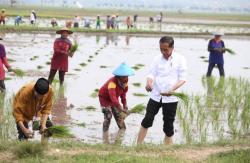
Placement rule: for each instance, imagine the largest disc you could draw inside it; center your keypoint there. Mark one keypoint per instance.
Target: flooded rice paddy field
(208, 117)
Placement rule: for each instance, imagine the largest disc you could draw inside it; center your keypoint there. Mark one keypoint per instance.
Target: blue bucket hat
(123, 70)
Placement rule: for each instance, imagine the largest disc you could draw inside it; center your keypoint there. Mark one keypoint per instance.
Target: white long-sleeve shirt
(165, 74)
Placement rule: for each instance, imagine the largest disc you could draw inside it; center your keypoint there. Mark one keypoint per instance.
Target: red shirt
(60, 58)
(110, 92)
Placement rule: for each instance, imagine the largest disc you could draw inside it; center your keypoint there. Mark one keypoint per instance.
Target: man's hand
(28, 133)
(71, 54)
(10, 69)
(42, 129)
(149, 85)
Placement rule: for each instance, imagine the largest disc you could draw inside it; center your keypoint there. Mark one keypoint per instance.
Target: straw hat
(123, 70)
(64, 29)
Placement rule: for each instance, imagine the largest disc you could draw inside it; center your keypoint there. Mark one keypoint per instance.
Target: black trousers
(211, 66)
(21, 135)
(2, 86)
(168, 111)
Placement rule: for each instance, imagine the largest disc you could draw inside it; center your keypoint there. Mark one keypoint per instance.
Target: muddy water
(32, 50)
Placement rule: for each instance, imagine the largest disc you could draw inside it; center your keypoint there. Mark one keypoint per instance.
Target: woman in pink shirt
(3, 61)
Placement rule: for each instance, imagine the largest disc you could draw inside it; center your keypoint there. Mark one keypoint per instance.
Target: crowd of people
(111, 22)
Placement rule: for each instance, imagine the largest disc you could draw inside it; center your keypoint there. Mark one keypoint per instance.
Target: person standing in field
(98, 22)
(2, 17)
(167, 74)
(115, 87)
(216, 48)
(33, 100)
(129, 22)
(33, 17)
(59, 61)
(3, 62)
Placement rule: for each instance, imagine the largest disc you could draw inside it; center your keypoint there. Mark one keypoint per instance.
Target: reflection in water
(59, 110)
(127, 39)
(97, 39)
(113, 38)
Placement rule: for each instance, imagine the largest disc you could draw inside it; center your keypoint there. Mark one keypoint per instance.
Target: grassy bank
(66, 12)
(74, 151)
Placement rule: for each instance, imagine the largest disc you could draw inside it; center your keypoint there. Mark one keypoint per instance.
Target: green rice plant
(94, 94)
(91, 56)
(48, 63)
(77, 69)
(28, 149)
(74, 47)
(181, 96)
(136, 84)
(11, 60)
(140, 94)
(102, 66)
(83, 64)
(203, 57)
(230, 51)
(8, 78)
(81, 124)
(135, 67)
(18, 72)
(39, 67)
(90, 108)
(58, 132)
(139, 108)
(89, 60)
(139, 65)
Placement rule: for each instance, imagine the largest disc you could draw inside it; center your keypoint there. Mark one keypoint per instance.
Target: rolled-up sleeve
(182, 71)
(152, 69)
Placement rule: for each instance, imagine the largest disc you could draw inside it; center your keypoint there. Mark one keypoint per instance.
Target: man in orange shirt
(32, 100)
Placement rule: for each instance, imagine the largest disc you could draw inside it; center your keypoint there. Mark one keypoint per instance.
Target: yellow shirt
(25, 105)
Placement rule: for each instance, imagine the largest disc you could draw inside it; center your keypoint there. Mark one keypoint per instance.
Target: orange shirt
(25, 105)
(2, 16)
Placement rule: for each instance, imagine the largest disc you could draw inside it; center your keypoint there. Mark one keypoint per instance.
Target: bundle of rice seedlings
(18, 72)
(58, 132)
(230, 51)
(181, 96)
(74, 47)
(138, 108)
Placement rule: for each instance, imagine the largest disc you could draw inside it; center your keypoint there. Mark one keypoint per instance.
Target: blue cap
(123, 70)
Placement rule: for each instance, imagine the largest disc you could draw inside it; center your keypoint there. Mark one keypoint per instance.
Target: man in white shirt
(167, 74)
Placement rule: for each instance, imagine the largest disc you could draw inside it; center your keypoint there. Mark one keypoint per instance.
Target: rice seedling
(102, 66)
(83, 64)
(246, 68)
(91, 56)
(135, 67)
(81, 124)
(39, 67)
(203, 57)
(77, 69)
(139, 65)
(11, 60)
(139, 108)
(90, 108)
(74, 47)
(89, 60)
(181, 96)
(206, 60)
(18, 72)
(230, 51)
(28, 149)
(137, 84)
(48, 63)
(140, 94)
(58, 132)
(8, 78)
